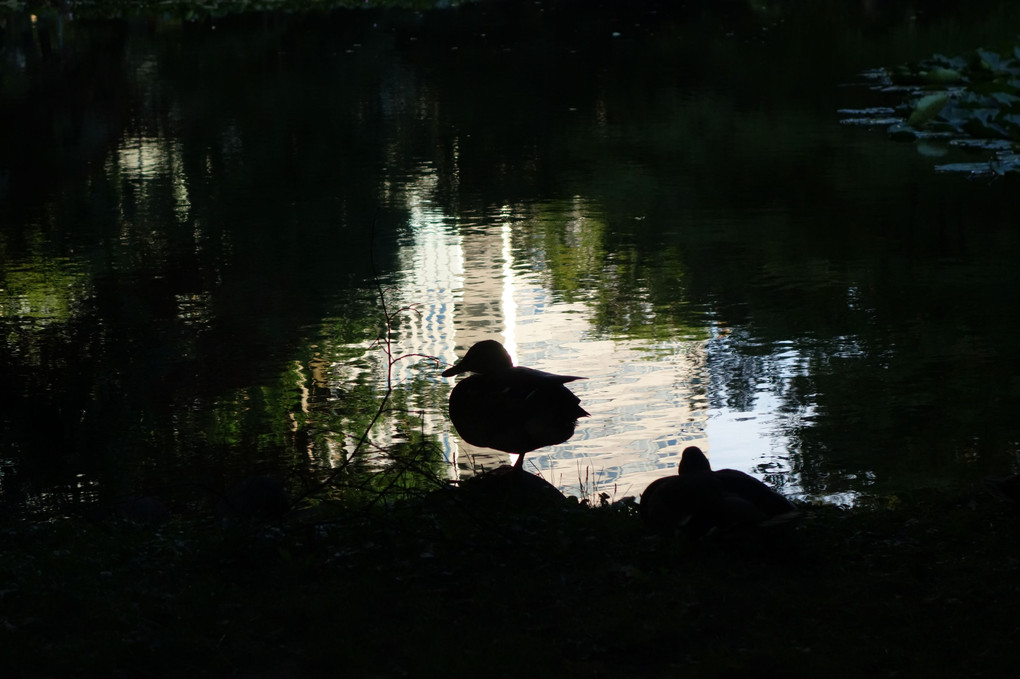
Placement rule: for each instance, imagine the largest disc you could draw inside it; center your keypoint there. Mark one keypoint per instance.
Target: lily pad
(927, 108)
(1000, 164)
(942, 76)
(877, 116)
(872, 122)
(977, 169)
(952, 99)
(901, 132)
(866, 112)
(982, 144)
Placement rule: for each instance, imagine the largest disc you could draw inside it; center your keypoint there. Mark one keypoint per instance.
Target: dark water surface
(661, 199)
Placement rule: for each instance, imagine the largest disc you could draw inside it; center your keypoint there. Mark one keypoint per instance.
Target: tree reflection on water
(665, 205)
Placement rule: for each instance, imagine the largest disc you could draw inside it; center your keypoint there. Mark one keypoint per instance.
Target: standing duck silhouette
(702, 501)
(510, 408)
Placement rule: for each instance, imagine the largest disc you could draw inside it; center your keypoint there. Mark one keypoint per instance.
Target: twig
(385, 343)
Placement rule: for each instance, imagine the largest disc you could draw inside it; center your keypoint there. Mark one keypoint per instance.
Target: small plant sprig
(588, 485)
(384, 342)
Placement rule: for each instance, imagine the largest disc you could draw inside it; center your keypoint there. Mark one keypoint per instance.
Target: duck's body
(510, 408)
(703, 501)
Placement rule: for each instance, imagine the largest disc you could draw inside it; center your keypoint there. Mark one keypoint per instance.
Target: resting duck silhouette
(701, 501)
(510, 408)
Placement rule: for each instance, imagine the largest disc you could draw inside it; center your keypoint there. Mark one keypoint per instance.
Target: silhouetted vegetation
(925, 585)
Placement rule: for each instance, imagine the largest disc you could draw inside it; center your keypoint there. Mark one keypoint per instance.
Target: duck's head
(484, 357)
(693, 460)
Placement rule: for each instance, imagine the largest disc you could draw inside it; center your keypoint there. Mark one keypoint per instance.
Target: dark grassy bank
(922, 586)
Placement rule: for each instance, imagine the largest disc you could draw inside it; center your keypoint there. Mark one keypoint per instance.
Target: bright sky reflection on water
(647, 398)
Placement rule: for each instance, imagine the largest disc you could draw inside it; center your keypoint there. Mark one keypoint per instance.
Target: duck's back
(697, 504)
(515, 410)
(765, 499)
(703, 501)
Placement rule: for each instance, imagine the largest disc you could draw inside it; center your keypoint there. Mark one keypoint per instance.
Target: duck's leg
(519, 464)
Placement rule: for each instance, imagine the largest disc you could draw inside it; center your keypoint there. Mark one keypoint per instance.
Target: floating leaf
(999, 164)
(976, 105)
(982, 144)
(969, 168)
(878, 116)
(942, 76)
(927, 108)
(989, 59)
(901, 132)
(1006, 99)
(863, 112)
(1011, 123)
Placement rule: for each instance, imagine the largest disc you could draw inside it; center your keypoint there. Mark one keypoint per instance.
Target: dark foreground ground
(920, 586)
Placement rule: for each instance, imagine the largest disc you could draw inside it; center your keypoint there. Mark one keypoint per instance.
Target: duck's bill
(453, 370)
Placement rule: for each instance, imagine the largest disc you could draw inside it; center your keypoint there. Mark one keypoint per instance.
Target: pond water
(207, 224)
